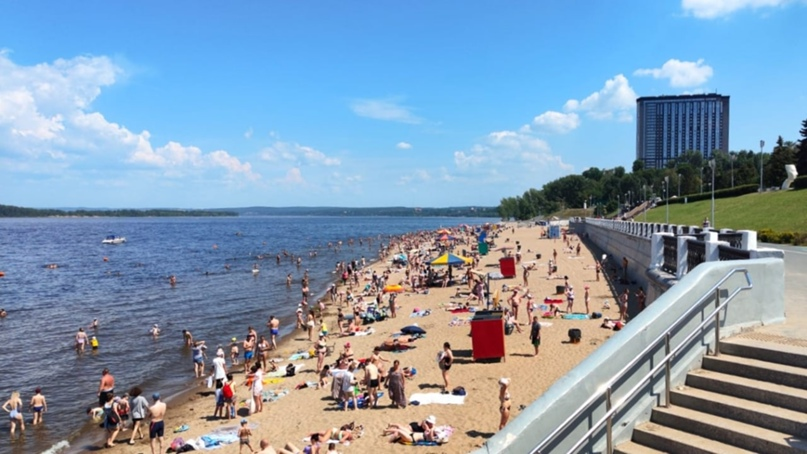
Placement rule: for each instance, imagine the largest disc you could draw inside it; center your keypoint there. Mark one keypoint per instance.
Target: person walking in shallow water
(13, 407)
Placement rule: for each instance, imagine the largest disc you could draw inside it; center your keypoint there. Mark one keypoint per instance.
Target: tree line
(10, 211)
(605, 191)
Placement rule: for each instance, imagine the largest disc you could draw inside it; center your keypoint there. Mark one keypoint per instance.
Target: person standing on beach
(396, 384)
(257, 387)
(623, 305)
(263, 351)
(13, 407)
(446, 359)
(598, 268)
(38, 406)
(81, 340)
(274, 328)
(139, 406)
(157, 425)
(535, 334)
(219, 369)
(504, 401)
(587, 298)
(569, 299)
(249, 345)
(112, 420)
(640, 299)
(106, 387)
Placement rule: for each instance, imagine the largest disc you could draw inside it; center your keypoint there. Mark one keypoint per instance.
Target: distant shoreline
(9, 211)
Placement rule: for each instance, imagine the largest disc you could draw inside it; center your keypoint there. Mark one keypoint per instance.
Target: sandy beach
(301, 412)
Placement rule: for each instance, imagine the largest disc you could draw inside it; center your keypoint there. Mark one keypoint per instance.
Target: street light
(712, 165)
(761, 155)
(644, 195)
(732, 157)
(667, 199)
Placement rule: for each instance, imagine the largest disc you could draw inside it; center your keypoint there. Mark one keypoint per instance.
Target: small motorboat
(113, 239)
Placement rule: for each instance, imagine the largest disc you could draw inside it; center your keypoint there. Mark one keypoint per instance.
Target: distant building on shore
(669, 126)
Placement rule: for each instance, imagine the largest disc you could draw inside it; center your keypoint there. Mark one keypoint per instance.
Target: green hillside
(781, 211)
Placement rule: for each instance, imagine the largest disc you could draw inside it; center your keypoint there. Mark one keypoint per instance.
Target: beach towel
(299, 356)
(422, 313)
(436, 398)
(575, 316)
(273, 380)
(361, 402)
(281, 372)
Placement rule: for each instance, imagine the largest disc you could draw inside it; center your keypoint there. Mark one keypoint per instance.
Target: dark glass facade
(668, 126)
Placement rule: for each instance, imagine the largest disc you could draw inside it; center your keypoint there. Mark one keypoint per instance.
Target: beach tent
(450, 259)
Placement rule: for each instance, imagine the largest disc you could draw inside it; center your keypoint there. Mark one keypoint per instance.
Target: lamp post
(679, 185)
(644, 195)
(712, 165)
(761, 155)
(667, 199)
(732, 157)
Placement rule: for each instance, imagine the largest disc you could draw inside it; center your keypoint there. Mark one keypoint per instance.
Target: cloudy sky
(199, 104)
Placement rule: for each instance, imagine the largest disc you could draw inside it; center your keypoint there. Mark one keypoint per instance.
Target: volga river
(126, 288)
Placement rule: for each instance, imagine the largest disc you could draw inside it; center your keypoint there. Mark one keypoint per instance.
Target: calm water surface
(129, 292)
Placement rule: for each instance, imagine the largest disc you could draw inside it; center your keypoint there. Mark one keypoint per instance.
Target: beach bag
(177, 444)
(508, 328)
(575, 335)
(112, 418)
(458, 391)
(227, 391)
(210, 381)
(290, 370)
(595, 315)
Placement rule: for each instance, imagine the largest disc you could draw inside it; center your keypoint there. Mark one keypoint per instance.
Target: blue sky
(199, 104)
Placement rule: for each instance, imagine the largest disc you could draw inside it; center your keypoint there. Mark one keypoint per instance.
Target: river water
(126, 288)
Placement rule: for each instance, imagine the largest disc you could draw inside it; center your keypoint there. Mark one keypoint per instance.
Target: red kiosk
(507, 266)
(487, 335)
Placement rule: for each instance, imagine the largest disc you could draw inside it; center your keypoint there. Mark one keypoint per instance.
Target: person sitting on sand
(342, 434)
(413, 432)
(397, 344)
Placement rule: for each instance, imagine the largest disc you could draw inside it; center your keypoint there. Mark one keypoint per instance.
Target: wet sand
(303, 411)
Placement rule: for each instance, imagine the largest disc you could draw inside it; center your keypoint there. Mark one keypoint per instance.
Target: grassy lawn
(782, 211)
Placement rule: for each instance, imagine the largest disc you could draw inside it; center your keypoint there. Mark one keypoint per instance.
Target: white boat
(113, 239)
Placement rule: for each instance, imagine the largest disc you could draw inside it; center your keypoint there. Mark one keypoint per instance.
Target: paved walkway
(795, 294)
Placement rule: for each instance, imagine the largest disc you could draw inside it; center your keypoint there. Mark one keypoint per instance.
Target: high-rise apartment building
(669, 126)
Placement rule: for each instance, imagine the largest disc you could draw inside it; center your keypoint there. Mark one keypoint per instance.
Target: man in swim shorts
(157, 425)
(274, 328)
(106, 387)
(39, 405)
(249, 351)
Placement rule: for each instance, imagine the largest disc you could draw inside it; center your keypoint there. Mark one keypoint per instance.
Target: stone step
(779, 352)
(724, 430)
(757, 369)
(742, 410)
(630, 447)
(748, 388)
(660, 438)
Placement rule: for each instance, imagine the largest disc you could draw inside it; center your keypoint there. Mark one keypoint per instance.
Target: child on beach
(234, 351)
(243, 436)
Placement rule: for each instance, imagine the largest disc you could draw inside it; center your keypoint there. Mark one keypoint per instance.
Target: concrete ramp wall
(764, 304)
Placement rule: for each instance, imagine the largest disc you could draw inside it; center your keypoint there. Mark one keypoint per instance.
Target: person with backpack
(228, 394)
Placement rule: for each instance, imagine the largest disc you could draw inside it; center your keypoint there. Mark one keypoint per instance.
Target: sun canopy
(450, 259)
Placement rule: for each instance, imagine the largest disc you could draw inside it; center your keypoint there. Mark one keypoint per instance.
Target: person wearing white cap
(570, 300)
(504, 401)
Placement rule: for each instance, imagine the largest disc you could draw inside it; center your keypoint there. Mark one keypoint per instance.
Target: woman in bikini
(263, 351)
(504, 401)
(14, 408)
(445, 362)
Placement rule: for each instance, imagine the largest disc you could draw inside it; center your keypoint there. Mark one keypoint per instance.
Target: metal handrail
(611, 409)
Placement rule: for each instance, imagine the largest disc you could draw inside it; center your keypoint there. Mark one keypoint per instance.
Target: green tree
(801, 162)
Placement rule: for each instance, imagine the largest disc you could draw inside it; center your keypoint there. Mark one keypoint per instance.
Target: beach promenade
(303, 411)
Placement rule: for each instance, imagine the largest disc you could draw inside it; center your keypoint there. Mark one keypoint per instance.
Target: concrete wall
(619, 244)
(764, 304)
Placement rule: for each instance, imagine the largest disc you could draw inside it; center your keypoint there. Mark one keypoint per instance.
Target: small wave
(57, 447)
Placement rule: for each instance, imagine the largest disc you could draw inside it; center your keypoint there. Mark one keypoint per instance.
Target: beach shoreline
(475, 420)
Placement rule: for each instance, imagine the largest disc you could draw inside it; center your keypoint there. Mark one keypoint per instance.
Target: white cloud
(511, 148)
(403, 146)
(710, 9)
(680, 73)
(558, 122)
(46, 111)
(417, 175)
(387, 109)
(290, 151)
(616, 100)
(293, 176)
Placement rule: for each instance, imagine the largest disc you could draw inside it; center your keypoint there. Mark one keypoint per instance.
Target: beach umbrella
(450, 259)
(443, 232)
(446, 238)
(393, 289)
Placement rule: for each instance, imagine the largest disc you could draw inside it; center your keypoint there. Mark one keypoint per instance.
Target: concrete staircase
(750, 399)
